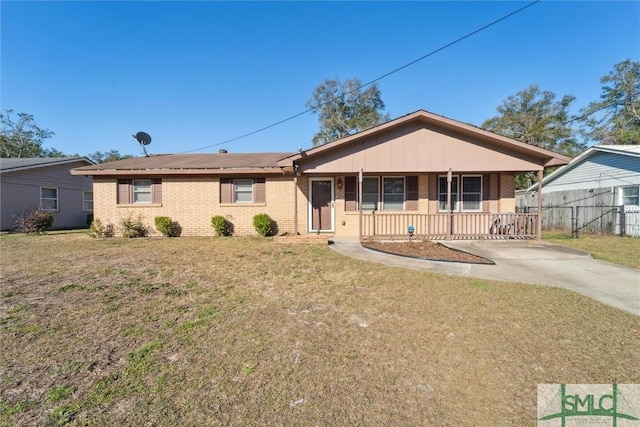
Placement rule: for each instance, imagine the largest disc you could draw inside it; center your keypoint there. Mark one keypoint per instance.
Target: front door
(321, 205)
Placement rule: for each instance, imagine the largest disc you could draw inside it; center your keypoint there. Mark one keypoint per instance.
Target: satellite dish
(144, 139)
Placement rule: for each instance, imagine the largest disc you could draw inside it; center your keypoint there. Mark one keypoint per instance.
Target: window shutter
(259, 190)
(124, 191)
(411, 193)
(226, 190)
(350, 191)
(156, 190)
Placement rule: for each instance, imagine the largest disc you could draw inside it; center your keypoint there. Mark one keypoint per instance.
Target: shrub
(89, 220)
(221, 225)
(35, 221)
(132, 228)
(263, 224)
(165, 225)
(97, 229)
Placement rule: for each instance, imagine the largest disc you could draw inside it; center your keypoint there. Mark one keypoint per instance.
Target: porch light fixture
(339, 183)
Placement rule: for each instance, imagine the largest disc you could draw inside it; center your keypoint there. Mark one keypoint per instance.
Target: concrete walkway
(533, 262)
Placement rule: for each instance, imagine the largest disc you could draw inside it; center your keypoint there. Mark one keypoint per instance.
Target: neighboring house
(593, 191)
(445, 178)
(30, 183)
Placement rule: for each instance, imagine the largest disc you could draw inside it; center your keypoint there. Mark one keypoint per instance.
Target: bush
(132, 228)
(221, 225)
(89, 220)
(165, 225)
(263, 224)
(97, 229)
(32, 222)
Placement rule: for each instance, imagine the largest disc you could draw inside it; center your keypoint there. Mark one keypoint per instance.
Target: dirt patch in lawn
(425, 249)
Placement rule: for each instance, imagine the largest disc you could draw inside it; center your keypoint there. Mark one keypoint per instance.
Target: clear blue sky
(193, 74)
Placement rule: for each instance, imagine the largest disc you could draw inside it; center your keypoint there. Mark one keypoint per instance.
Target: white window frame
(56, 199)
(404, 193)
(86, 200)
(454, 191)
(458, 203)
(637, 196)
(462, 193)
(377, 202)
(134, 193)
(236, 190)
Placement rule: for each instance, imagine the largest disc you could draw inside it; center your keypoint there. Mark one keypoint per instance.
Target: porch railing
(459, 225)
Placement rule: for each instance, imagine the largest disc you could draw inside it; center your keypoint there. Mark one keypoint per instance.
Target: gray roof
(208, 161)
(12, 164)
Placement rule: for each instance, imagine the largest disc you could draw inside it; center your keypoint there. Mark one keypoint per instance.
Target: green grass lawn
(246, 331)
(616, 249)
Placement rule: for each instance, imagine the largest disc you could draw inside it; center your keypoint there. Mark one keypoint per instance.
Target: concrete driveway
(533, 262)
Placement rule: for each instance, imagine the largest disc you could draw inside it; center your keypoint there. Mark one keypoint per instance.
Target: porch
(448, 226)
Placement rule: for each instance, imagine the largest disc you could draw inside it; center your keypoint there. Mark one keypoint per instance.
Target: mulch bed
(425, 249)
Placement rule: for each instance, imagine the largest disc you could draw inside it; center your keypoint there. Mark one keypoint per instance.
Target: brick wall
(192, 201)
(507, 193)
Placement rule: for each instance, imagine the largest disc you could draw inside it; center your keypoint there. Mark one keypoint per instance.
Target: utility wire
(433, 52)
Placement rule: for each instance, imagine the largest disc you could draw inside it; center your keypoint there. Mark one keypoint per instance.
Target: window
(138, 191)
(49, 199)
(398, 193)
(442, 193)
(87, 201)
(471, 193)
(370, 193)
(393, 194)
(242, 190)
(466, 193)
(141, 191)
(630, 196)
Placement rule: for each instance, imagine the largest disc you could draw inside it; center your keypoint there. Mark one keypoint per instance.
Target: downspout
(449, 207)
(539, 219)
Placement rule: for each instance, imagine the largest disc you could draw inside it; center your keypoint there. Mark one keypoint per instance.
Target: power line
(433, 52)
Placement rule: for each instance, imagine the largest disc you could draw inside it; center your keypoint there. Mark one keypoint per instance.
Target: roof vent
(222, 151)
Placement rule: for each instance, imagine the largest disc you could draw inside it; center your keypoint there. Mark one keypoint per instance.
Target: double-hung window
(630, 196)
(466, 193)
(393, 193)
(443, 191)
(141, 191)
(242, 190)
(370, 190)
(138, 191)
(49, 198)
(87, 201)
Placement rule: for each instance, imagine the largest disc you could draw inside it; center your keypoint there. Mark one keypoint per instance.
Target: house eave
(163, 172)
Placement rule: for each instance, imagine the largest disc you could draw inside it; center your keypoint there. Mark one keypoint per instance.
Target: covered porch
(448, 226)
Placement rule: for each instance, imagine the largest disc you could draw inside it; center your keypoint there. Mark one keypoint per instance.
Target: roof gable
(423, 141)
(623, 157)
(14, 164)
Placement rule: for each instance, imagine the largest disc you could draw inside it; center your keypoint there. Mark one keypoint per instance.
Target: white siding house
(600, 185)
(46, 183)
